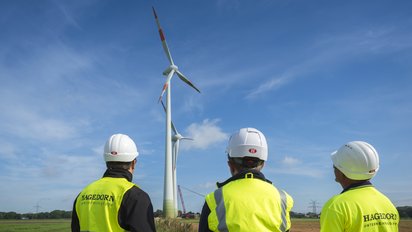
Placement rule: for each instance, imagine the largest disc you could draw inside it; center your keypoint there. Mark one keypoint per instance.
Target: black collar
(242, 175)
(118, 173)
(352, 186)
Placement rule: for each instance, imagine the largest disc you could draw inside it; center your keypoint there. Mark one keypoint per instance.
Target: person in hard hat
(360, 206)
(114, 203)
(247, 201)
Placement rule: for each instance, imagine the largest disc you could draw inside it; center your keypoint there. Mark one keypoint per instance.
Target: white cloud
(208, 185)
(8, 150)
(331, 50)
(294, 166)
(204, 135)
(301, 170)
(267, 86)
(27, 123)
(98, 150)
(290, 161)
(69, 18)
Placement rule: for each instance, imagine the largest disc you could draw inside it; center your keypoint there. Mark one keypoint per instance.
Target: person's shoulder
(281, 191)
(344, 200)
(334, 200)
(91, 184)
(136, 190)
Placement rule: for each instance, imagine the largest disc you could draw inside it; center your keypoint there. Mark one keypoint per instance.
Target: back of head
(249, 146)
(120, 148)
(358, 160)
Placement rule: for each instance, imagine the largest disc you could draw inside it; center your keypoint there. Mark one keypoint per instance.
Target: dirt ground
(300, 225)
(312, 225)
(405, 225)
(305, 225)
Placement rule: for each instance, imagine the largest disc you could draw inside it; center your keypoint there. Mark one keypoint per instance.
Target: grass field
(298, 225)
(35, 225)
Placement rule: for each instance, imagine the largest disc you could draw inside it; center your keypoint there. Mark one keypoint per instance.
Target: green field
(55, 225)
(60, 225)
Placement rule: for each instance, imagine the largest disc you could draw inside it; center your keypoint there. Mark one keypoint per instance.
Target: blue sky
(311, 75)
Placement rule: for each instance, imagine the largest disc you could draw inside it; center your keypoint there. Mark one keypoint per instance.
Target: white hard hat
(248, 142)
(120, 148)
(357, 160)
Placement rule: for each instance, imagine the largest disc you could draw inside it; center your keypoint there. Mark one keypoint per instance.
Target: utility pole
(314, 205)
(37, 207)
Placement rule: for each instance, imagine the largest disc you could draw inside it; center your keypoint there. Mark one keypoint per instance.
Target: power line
(199, 194)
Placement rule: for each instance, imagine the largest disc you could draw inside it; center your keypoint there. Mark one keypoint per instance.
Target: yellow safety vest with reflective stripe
(97, 206)
(249, 204)
(360, 209)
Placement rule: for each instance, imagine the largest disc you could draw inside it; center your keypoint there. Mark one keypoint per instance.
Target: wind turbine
(175, 153)
(169, 201)
(176, 141)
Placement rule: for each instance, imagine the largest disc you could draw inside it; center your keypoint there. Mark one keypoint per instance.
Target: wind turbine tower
(175, 153)
(169, 199)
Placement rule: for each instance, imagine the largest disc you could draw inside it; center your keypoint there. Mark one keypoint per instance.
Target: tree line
(404, 212)
(55, 214)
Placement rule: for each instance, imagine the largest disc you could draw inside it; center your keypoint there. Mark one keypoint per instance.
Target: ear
(339, 176)
(134, 164)
(232, 167)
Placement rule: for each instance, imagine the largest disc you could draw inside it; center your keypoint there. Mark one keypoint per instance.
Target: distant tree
(405, 211)
(158, 213)
(28, 216)
(296, 215)
(57, 214)
(11, 215)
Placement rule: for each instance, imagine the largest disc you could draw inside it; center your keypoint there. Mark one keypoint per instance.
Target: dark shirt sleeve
(203, 224)
(136, 211)
(75, 219)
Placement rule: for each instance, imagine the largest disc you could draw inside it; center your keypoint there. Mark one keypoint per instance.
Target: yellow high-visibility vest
(97, 206)
(249, 204)
(360, 209)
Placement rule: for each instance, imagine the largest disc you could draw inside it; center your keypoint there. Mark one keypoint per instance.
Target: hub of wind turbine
(169, 69)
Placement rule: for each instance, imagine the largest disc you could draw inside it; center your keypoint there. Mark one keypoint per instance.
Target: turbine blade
(163, 91)
(166, 84)
(174, 128)
(183, 78)
(173, 125)
(164, 107)
(177, 151)
(162, 38)
(175, 154)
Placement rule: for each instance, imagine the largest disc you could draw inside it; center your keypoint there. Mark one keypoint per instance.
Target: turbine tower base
(169, 210)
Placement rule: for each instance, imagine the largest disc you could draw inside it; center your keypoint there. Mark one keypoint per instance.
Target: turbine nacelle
(177, 137)
(172, 67)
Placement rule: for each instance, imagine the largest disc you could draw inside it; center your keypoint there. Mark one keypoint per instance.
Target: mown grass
(55, 225)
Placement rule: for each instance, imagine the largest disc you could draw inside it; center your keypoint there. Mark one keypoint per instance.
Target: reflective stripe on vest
(283, 205)
(221, 210)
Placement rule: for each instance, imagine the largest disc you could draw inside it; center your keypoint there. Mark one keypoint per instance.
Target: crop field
(63, 225)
